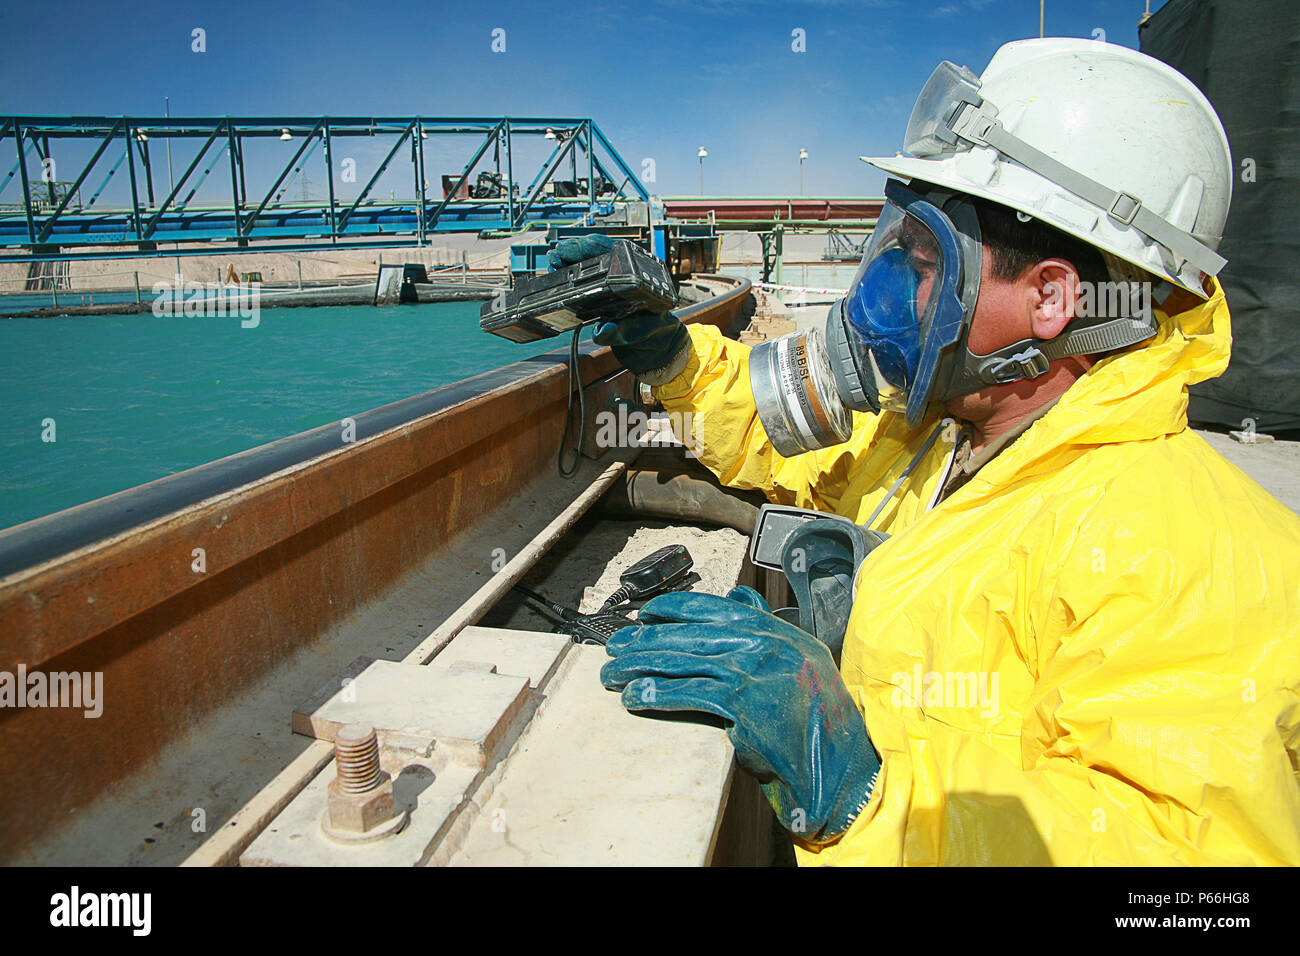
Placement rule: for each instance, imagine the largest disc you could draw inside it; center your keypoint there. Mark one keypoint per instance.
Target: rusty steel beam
(773, 209)
(290, 548)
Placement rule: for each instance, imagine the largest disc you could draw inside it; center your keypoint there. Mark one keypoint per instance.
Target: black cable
(582, 628)
(634, 600)
(621, 596)
(552, 610)
(568, 412)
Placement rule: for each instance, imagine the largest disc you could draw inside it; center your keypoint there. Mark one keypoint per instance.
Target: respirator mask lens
(889, 306)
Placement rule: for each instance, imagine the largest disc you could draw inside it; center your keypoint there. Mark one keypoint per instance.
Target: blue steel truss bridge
(120, 186)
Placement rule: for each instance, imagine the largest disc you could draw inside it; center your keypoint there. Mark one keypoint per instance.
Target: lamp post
(803, 154)
(702, 153)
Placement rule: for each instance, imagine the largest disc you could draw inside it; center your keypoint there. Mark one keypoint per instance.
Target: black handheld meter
(608, 286)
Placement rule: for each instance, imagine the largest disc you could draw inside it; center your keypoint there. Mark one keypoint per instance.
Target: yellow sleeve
(712, 408)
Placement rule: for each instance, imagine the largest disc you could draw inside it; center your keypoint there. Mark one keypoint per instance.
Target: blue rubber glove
(791, 719)
(654, 346)
(569, 251)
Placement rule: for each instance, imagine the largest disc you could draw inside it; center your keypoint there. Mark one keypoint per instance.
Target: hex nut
(361, 812)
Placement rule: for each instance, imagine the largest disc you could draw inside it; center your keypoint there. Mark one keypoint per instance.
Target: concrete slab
(301, 719)
(431, 793)
(468, 712)
(590, 784)
(530, 654)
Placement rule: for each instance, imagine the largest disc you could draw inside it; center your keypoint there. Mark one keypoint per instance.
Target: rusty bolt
(360, 803)
(356, 756)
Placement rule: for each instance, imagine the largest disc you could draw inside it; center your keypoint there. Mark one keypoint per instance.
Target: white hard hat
(1097, 140)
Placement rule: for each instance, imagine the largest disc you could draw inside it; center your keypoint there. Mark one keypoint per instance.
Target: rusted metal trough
(186, 591)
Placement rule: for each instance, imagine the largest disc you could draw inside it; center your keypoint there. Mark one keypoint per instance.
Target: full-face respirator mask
(898, 340)
(891, 343)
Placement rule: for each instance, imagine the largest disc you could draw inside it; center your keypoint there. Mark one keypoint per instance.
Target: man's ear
(1055, 288)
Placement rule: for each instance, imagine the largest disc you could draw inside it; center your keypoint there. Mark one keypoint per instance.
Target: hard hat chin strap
(1031, 357)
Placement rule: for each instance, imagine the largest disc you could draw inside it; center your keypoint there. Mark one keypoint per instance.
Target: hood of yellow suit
(1141, 393)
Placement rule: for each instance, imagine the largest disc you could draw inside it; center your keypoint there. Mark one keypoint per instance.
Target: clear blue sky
(661, 78)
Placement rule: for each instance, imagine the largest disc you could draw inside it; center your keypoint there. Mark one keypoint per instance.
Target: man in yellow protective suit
(1080, 640)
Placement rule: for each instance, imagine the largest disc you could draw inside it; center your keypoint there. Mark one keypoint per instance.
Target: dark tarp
(1245, 56)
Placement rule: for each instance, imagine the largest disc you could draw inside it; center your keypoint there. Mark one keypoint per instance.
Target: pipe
(650, 492)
